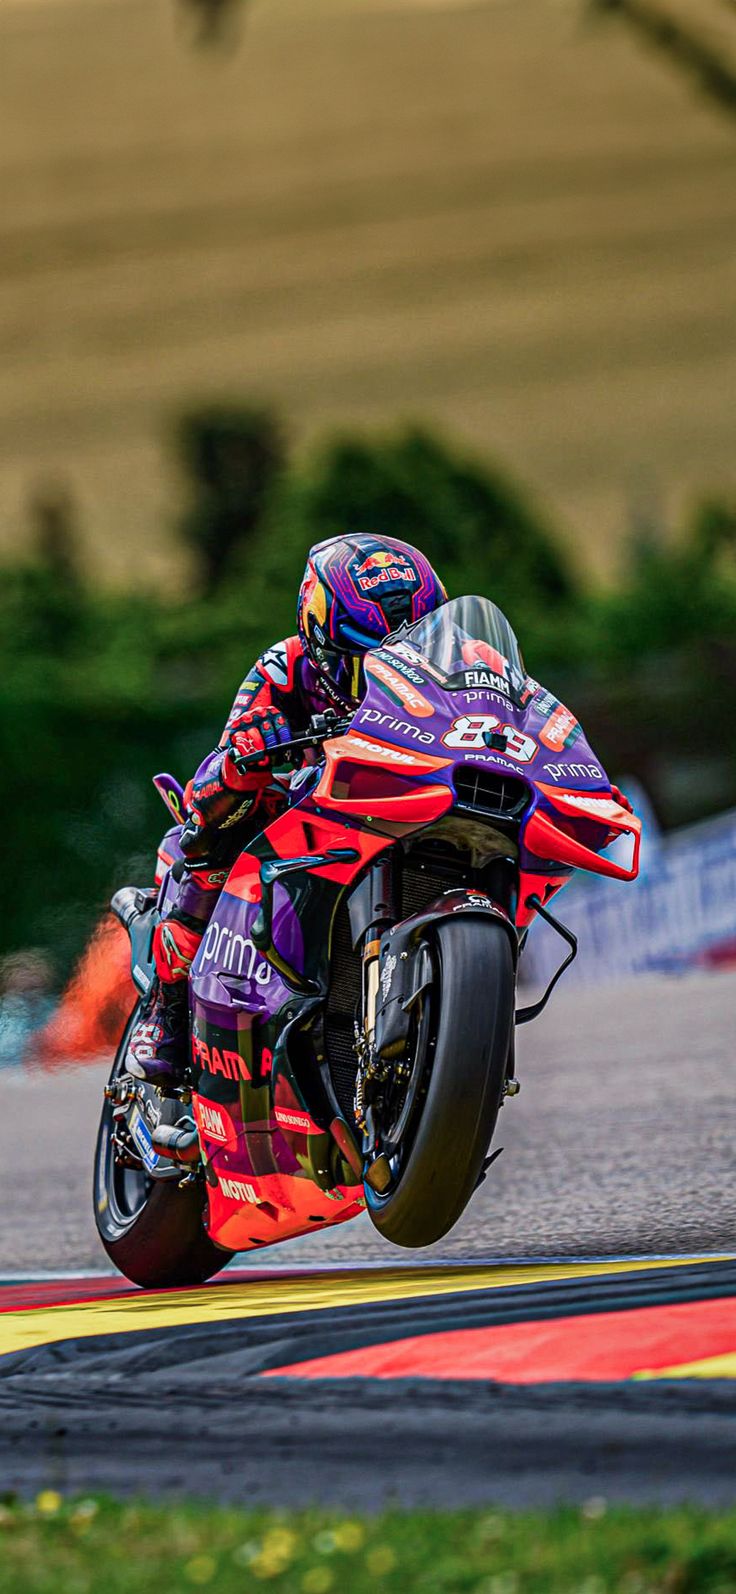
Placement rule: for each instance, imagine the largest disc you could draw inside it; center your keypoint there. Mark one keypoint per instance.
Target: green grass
(90, 1545)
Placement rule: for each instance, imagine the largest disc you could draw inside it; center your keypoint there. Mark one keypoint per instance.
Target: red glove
(251, 749)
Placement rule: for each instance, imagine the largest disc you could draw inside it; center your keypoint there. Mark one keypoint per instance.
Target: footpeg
(512, 1087)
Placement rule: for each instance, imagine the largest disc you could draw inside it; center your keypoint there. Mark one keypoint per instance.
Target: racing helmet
(356, 590)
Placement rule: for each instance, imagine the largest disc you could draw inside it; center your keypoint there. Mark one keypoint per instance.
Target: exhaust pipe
(180, 1141)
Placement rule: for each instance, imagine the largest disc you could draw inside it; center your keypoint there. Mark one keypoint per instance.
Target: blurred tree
(472, 521)
(714, 533)
(215, 21)
(44, 595)
(54, 524)
(233, 456)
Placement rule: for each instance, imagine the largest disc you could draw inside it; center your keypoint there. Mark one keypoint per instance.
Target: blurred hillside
(511, 219)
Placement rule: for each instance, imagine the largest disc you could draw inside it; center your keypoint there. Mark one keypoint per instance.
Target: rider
(356, 589)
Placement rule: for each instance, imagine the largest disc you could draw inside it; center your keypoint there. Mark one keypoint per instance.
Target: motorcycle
(353, 1000)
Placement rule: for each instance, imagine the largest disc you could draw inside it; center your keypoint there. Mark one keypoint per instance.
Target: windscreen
(471, 643)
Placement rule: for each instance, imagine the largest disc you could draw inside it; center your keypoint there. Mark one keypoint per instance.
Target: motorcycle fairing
(273, 1163)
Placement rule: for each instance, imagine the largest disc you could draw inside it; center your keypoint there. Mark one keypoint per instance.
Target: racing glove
(251, 748)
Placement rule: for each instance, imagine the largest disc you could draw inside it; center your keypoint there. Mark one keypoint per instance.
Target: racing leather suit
(279, 694)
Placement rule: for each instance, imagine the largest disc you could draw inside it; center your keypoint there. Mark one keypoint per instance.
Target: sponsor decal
(238, 1190)
(217, 1060)
(382, 567)
(471, 732)
(545, 703)
(291, 1118)
(384, 754)
(474, 899)
(152, 1112)
(402, 692)
(478, 679)
(401, 664)
(373, 716)
(561, 730)
(603, 806)
(393, 573)
(387, 974)
(212, 1122)
(234, 954)
(239, 813)
(142, 1138)
(487, 697)
(480, 655)
(406, 651)
(528, 689)
(567, 772)
(211, 788)
(486, 758)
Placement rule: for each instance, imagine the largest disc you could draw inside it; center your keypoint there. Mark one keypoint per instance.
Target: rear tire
(152, 1230)
(474, 1008)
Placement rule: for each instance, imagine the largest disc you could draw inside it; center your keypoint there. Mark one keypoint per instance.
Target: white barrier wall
(681, 912)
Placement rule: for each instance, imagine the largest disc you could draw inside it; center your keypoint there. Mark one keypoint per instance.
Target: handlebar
(321, 728)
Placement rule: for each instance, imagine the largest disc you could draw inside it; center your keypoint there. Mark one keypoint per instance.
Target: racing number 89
(468, 733)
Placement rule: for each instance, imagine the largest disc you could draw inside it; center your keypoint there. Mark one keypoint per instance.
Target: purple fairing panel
(170, 853)
(230, 975)
(546, 746)
(462, 715)
(172, 794)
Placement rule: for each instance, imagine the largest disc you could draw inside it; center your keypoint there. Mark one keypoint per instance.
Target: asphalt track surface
(620, 1144)
(179, 1392)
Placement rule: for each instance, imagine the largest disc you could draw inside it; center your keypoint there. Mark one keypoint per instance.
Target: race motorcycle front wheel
(437, 1122)
(152, 1229)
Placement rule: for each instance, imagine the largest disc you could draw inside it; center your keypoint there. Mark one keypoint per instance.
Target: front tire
(474, 1007)
(152, 1230)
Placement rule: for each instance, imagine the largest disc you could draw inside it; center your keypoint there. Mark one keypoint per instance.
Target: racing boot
(157, 1050)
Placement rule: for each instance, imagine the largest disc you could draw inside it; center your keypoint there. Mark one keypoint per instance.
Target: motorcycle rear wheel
(465, 1069)
(152, 1230)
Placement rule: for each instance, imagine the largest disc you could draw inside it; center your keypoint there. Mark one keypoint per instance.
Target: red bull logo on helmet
(385, 565)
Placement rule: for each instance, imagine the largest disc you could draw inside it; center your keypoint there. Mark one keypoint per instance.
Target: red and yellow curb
(510, 1322)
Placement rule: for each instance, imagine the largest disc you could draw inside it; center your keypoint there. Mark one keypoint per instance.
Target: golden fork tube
(370, 986)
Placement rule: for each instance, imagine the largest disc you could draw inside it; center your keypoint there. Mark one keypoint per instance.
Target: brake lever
(322, 727)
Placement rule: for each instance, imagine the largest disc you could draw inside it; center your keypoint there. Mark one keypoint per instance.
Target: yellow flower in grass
(200, 1569)
(317, 1580)
(275, 1553)
(381, 1560)
(48, 1502)
(349, 1536)
(280, 1545)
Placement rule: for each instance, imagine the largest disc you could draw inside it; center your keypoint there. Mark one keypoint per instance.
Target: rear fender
(404, 966)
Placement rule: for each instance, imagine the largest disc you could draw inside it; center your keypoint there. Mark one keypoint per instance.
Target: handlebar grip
(311, 738)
